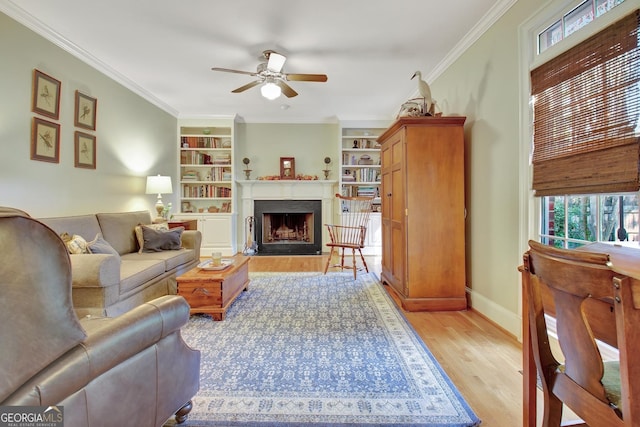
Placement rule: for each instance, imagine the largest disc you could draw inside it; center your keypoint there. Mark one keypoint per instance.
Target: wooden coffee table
(213, 292)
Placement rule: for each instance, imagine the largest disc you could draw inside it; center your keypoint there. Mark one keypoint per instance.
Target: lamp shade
(159, 185)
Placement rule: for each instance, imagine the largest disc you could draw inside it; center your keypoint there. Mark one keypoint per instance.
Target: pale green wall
(265, 143)
(134, 137)
(483, 84)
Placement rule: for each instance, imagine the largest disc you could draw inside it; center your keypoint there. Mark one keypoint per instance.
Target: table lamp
(159, 185)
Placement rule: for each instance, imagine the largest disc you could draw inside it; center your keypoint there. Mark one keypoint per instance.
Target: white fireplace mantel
(325, 191)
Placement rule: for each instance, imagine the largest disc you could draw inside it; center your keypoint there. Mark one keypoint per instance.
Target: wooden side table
(188, 224)
(213, 292)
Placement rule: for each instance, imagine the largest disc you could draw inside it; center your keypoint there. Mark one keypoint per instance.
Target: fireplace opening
(288, 227)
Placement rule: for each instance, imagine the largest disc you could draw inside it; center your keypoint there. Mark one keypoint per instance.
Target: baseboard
(510, 322)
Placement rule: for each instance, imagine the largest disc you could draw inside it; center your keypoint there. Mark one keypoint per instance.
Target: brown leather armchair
(133, 369)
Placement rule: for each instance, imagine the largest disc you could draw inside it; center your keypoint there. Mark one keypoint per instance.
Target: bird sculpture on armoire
(425, 92)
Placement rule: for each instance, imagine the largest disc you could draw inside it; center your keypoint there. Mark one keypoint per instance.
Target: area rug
(318, 350)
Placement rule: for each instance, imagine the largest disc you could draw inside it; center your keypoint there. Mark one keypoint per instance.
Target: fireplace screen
(288, 227)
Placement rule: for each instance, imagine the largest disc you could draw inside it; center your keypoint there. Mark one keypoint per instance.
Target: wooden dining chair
(351, 232)
(588, 300)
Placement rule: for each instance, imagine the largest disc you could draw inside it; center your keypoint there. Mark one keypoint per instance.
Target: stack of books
(189, 176)
(367, 191)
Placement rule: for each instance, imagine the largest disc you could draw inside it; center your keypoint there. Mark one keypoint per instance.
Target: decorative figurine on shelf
(326, 170)
(425, 93)
(422, 106)
(247, 171)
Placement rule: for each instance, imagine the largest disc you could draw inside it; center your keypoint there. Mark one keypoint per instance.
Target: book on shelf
(361, 175)
(204, 142)
(216, 173)
(221, 159)
(205, 191)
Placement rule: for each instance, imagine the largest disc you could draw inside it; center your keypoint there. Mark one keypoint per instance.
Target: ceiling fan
(273, 80)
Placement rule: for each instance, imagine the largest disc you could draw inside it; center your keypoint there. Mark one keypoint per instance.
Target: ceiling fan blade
(286, 89)
(228, 70)
(247, 86)
(306, 77)
(276, 61)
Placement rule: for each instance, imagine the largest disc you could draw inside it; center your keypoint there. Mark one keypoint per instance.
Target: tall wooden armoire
(423, 212)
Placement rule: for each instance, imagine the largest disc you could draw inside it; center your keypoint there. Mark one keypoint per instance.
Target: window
(586, 105)
(586, 109)
(572, 21)
(572, 221)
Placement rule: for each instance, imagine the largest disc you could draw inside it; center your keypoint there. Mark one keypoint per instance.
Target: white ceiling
(164, 50)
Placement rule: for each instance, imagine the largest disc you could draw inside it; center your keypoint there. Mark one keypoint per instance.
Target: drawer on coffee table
(202, 294)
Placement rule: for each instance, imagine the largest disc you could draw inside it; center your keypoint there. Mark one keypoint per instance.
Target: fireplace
(288, 227)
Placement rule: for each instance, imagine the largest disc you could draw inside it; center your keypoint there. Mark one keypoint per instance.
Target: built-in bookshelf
(360, 173)
(206, 169)
(360, 163)
(206, 150)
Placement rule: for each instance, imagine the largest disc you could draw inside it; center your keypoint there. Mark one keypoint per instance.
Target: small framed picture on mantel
(287, 168)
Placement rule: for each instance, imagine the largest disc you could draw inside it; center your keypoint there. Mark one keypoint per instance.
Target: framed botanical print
(85, 150)
(85, 111)
(45, 141)
(287, 168)
(46, 95)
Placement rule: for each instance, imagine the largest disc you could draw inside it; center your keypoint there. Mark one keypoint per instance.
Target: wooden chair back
(352, 230)
(568, 284)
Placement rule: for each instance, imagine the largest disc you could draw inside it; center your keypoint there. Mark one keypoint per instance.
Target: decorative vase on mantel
(326, 169)
(247, 171)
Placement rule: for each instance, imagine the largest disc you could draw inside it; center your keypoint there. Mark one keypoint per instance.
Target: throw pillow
(76, 244)
(138, 231)
(161, 240)
(101, 246)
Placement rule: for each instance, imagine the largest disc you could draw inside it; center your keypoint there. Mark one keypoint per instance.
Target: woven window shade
(587, 115)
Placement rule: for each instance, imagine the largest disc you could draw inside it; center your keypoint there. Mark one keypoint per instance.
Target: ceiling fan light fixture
(271, 79)
(270, 90)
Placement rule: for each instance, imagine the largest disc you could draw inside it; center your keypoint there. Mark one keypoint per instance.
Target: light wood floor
(481, 359)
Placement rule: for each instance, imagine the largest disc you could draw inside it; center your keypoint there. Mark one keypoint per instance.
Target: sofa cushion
(135, 271)
(76, 244)
(161, 240)
(118, 229)
(101, 246)
(172, 259)
(84, 225)
(140, 236)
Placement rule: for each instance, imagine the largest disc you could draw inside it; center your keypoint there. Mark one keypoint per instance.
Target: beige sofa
(131, 370)
(109, 285)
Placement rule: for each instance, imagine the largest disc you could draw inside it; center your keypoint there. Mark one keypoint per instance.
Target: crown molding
(15, 12)
(490, 18)
(487, 21)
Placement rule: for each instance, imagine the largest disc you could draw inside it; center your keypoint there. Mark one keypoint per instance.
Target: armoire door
(393, 254)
